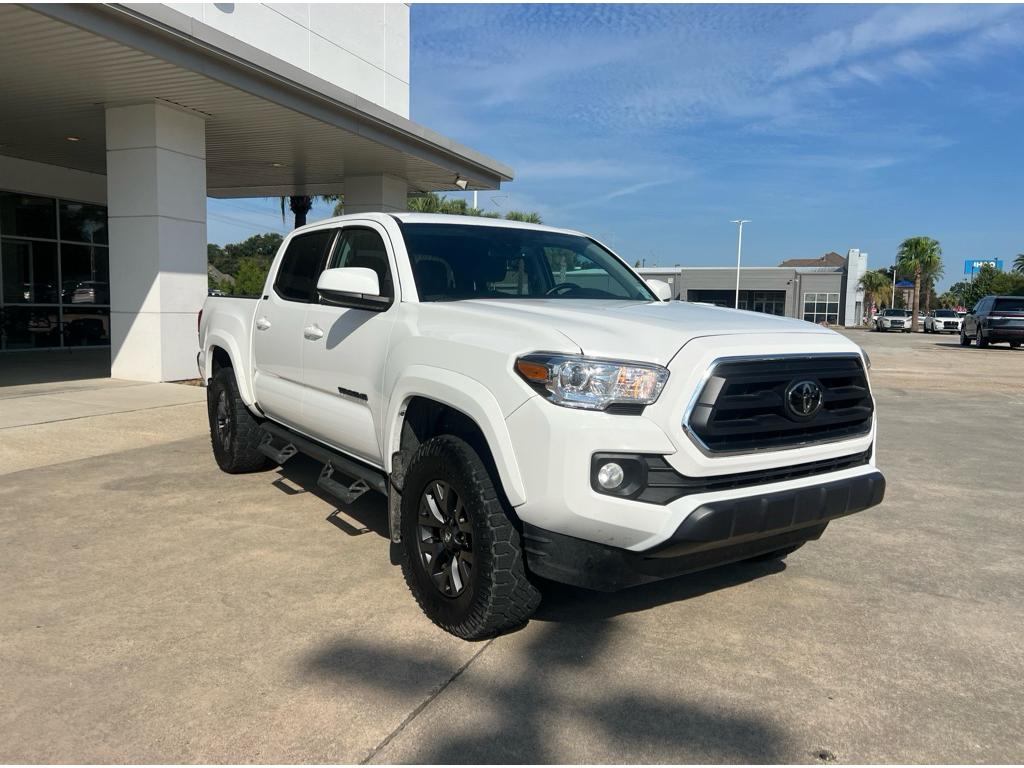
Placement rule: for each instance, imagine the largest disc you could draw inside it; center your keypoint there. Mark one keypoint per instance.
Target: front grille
(950, 325)
(665, 485)
(743, 406)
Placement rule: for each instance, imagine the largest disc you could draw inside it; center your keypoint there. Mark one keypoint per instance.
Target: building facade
(117, 130)
(822, 290)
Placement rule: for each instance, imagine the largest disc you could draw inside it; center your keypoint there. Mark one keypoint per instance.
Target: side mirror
(661, 289)
(352, 287)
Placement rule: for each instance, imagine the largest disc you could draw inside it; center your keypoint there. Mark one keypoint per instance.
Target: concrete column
(156, 208)
(377, 192)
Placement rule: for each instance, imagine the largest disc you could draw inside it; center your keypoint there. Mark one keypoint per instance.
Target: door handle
(262, 324)
(313, 332)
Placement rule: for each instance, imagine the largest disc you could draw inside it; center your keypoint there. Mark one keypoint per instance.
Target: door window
(301, 266)
(364, 247)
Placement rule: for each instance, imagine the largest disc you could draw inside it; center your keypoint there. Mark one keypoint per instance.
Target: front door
(278, 329)
(345, 348)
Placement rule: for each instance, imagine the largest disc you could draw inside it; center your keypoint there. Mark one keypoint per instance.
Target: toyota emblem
(804, 399)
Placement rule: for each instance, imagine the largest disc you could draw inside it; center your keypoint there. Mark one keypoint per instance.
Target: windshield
(945, 313)
(460, 261)
(894, 313)
(1009, 305)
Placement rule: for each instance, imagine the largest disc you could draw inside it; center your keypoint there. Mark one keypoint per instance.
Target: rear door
(345, 348)
(278, 328)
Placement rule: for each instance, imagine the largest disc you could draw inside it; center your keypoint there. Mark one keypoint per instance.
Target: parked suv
(533, 409)
(994, 319)
(893, 320)
(942, 321)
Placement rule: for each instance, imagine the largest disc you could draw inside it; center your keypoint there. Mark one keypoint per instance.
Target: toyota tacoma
(533, 410)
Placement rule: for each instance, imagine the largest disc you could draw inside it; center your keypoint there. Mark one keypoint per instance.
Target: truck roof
(409, 217)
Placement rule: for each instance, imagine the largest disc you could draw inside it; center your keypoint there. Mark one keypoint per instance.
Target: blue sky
(651, 127)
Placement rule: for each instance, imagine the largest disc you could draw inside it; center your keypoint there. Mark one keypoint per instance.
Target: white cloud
(888, 28)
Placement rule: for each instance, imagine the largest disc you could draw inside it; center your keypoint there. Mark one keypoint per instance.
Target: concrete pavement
(156, 610)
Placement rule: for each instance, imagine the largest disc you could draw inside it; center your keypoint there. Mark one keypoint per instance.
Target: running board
(364, 477)
(276, 449)
(347, 494)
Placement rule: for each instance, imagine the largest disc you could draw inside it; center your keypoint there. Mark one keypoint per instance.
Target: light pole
(739, 253)
(893, 286)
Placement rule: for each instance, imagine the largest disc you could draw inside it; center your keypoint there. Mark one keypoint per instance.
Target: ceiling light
(461, 183)
(72, 138)
(277, 165)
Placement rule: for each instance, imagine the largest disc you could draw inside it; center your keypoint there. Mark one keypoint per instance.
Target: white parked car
(942, 321)
(893, 320)
(531, 407)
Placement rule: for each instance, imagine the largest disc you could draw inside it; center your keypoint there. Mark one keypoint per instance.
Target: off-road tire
(778, 554)
(236, 445)
(981, 341)
(497, 596)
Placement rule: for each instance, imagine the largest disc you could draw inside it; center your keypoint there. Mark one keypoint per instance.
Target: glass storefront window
(86, 326)
(31, 327)
(28, 216)
(29, 272)
(821, 308)
(54, 281)
(83, 223)
(85, 274)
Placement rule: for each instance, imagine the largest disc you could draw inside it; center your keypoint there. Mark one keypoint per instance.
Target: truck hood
(642, 331)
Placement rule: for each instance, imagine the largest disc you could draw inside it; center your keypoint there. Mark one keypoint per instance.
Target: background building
(120, 120)
(817, 290)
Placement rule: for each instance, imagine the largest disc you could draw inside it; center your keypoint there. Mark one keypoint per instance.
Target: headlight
(584, 382)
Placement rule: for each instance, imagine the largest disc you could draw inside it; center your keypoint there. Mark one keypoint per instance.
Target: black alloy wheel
(445, 538)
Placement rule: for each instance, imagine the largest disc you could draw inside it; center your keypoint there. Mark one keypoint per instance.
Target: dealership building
(120, 120)
(822, 290)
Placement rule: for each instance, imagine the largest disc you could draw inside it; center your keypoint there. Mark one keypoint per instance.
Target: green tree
(530, 218)
(252, 275)
(301, 205)
(877, 287)
(435, 203)
(987, 281)
(919, 256)
(1018, 264)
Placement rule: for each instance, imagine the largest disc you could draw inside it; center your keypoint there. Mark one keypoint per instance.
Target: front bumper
(555, 449)
(715, 534)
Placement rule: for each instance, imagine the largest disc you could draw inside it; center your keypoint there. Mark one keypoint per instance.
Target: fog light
(610, 476)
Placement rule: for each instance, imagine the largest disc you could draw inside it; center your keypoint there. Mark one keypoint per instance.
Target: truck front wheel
(461, 556)
(234, 433)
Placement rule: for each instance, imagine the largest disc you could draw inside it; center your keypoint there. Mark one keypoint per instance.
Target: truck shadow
(565, 604)
(367, 515)
(556, 695)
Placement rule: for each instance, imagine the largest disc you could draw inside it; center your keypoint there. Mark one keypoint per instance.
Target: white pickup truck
(533, 409)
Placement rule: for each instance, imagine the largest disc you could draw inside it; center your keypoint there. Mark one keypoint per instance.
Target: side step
(278, 450)
(281, 444)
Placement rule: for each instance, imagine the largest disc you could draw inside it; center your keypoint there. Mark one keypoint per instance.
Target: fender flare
(228, 344)
(471, 398)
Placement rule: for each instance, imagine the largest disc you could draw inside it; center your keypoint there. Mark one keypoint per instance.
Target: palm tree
(876, 285)
(919, 256)
(300, 206)
(1018, 264)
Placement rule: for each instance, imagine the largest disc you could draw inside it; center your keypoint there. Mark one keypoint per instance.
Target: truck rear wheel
(461, 556)
(234, 433)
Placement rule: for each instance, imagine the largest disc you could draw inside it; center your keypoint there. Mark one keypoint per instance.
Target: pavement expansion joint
(424, 704)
